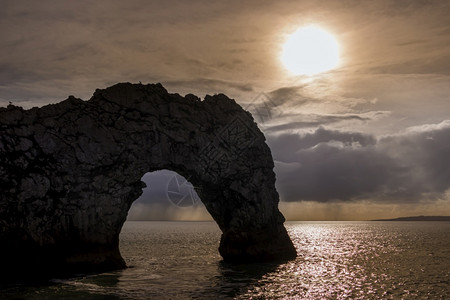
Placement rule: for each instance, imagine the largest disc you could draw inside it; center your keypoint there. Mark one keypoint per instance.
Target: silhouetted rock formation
(70, 171)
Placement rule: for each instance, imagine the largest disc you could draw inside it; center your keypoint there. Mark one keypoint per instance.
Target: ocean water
(336, 260)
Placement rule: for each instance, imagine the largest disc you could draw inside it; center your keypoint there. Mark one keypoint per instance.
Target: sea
(336, 260)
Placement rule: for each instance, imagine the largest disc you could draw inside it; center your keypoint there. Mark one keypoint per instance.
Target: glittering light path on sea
(360, 260)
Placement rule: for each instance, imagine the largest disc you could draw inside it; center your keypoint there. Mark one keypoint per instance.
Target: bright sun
(310, 50)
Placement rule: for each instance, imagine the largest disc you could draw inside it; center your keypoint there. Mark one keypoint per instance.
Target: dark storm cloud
(426, 150)
(332, 165)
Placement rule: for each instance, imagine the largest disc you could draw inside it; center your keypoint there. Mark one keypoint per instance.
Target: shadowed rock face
(70, 171)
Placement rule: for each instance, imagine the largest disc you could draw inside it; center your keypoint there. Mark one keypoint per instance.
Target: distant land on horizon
(418, 218)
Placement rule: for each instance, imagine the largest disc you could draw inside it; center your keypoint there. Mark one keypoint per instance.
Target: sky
(367, 139)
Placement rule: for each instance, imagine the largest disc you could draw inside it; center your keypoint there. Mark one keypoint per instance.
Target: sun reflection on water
(345, 261)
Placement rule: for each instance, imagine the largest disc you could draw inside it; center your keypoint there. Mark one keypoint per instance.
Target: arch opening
(168, 196)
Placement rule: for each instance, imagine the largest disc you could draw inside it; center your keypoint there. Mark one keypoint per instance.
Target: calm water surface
(336, 260)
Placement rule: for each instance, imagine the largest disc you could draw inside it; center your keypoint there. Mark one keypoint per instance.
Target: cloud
(168, 196)
(327, 165)
(375, 104)
(219, 86)
(409, 39)
(50, 48)
(322, 94)
(289, 94)
(50, 51)
(289, 122)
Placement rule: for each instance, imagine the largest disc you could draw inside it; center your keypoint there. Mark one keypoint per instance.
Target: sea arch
(70, 172)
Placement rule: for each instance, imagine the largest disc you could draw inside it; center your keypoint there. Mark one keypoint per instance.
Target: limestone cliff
(70, 171)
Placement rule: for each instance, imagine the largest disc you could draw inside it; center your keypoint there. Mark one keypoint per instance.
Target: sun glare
(310, 50)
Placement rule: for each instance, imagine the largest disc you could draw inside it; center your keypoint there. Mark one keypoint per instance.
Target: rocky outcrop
(70, 171)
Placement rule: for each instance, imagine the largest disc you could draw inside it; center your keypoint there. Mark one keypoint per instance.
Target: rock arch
(70, 171)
